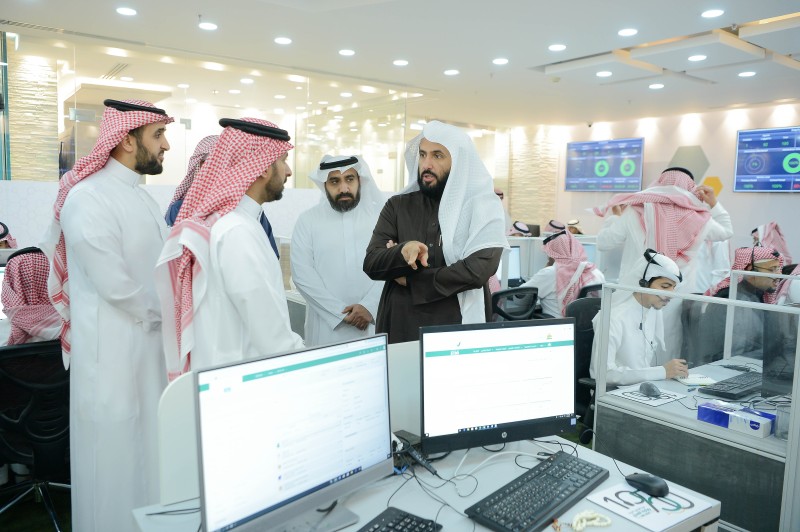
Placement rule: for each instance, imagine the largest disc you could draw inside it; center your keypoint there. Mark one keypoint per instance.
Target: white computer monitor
(494, 383)
(283, 436)
(513, 260)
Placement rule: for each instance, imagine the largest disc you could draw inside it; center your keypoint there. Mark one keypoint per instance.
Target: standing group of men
(141, 304)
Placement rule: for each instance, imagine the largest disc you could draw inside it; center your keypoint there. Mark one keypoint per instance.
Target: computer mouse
(649, 389)
(649, 484)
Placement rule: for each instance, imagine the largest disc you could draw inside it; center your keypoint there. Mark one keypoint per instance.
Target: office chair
(788, 269)
(583, 310)
(590, 290)
(515, 304)
(34, 420)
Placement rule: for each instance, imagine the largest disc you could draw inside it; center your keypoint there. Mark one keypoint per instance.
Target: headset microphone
(649, 254)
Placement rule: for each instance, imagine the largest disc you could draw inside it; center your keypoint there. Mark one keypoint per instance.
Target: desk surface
(683, 413)
(369, 502)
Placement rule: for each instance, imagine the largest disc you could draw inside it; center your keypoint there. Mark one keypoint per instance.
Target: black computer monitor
(283, 436)
(492, 383)
(780, 344)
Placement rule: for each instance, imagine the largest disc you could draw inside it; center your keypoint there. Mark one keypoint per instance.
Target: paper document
(695, 379)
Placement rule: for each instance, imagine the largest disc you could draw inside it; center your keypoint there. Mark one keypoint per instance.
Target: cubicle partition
(756, 478)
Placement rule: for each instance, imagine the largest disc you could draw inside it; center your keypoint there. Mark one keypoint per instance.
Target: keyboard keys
(395, 520)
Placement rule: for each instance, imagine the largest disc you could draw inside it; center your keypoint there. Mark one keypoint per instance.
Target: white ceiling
(536, 86)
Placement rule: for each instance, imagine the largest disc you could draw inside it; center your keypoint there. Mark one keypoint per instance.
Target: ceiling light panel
(619, 63)
(775, 66)
(720, 48)
(782, 36)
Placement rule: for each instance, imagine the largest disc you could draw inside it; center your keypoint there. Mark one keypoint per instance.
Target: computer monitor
(767, 160)
(591, 251)
(514, 267)
(604, 166)
(780, 344)
(492, 383)
(280, 437)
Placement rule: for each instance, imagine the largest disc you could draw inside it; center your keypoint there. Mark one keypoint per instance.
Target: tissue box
(737, 417)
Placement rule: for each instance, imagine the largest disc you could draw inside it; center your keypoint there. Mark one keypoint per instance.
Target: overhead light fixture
(282, 40)
(353, 129)
(246, 81)
(347, 52)
(126, 78)
(712, 13)
(747, 74)
(500, 61)
(450, 72)
(234, 91)
(207, 26)
(603, 74)
(323, 102)
(183, 85)
(210, 65)
(346, 94)
(280, 97)
(656, 86)
(117, 52)
(296, 79)
(698, 57)
(126, 11)
(627, 32)
(400, 62)
(557, 47)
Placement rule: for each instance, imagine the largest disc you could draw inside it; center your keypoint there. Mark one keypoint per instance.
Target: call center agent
(636, 330)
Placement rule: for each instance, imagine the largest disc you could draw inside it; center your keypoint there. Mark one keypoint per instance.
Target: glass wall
(57, 83)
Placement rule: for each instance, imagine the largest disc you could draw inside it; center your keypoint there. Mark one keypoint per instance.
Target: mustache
(345, 195)
(428, 172)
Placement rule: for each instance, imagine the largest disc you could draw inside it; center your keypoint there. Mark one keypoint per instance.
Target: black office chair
(515, 304)
(583, 310)
(34, 420)
(788, 269)
(591, 290)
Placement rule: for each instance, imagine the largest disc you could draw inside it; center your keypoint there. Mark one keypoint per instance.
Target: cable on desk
(493, 450)
(560, 445)
(407, 478)
(439, 500)
(612, 458)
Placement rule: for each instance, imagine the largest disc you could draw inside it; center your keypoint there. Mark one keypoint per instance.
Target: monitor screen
(605, 165)
(491, 383)
(780, 343)
(768, 160)
(591, 251)
(514, 269)
(281, 436)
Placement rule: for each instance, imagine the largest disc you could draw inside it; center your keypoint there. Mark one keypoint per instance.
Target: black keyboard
(399, 521)
(736, 387)
(535, 498)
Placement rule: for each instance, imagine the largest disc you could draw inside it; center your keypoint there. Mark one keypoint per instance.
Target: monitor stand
(338, 518)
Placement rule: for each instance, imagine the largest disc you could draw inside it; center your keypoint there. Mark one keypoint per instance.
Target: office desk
(744, 472)
(371, 500)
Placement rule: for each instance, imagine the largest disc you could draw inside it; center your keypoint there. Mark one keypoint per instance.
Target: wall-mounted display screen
(605, 165)
(768, 160)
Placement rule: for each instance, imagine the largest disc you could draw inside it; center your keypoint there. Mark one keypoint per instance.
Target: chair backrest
(788, 269)
(515, 304)
(590, 290)
(583, 310)
(34, 409)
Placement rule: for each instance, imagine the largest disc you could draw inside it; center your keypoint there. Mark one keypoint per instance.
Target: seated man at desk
(748, 325)
(636, 329)
(567, 271)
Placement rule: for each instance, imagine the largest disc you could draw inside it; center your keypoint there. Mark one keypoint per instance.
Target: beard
(434, 190)
(146, 162)
(340, 204)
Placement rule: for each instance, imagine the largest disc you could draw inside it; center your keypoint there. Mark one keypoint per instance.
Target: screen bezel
(640, 172)
(309, 502)
(736, 161)
(507, 432)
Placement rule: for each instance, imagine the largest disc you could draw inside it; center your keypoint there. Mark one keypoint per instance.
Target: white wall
(715, 132)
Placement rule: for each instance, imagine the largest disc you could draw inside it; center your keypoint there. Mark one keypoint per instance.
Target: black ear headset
(551, 237)
(753, 256)
(649, 254)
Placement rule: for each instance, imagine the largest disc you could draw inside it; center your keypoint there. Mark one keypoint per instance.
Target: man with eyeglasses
(748, 328)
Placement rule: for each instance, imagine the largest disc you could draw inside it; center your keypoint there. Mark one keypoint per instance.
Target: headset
(650, 255)
(551, 237)
(753, 256)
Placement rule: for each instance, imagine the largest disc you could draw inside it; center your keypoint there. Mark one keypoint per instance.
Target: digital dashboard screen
(768, 160)
(604, 166)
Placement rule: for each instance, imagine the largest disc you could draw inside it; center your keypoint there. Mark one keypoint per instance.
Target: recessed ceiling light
(208, 26)
(346, 94)
(183, 85)
(299, 88)
(747, 74)
(698, 57)
(116, 52)
(210, 65)
(126, 78)
(603, 74)
(400, 62)
(282, 40)
(280, 97)
(353, 129)
(450, 72)
(500, 61)
(296, 79)
(656, 86)
(712, 13)
(234, 91)
(346, 52)
(382, 124)
(323, 102)
(246, 81)
(557, 47)
(627, 32)
(127, 11)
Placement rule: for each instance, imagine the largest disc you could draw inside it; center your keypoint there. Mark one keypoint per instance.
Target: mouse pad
(653, 513)
(633, 393)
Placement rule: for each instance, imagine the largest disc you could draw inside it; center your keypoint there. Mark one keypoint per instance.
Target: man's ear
(128, 143)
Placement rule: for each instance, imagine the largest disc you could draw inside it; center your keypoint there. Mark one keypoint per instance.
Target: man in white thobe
(101, 282)
(329, 243)
(219, 279)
